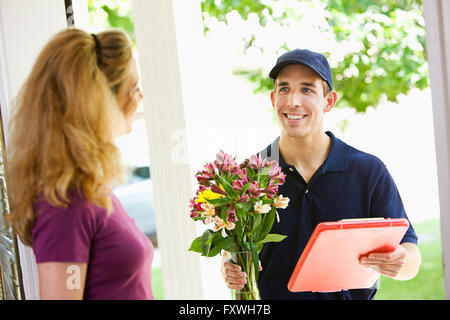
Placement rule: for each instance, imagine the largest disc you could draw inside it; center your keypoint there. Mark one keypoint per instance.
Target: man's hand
(232, 275)
(401, 264)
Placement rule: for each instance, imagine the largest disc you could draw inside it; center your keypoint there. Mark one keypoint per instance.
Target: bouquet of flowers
(239, 201)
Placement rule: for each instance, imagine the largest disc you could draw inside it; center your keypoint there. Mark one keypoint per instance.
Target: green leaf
(223, 243)
(227, 186)
(241, 213)
(272, 237)
(239, 227)
(219, 201)
(267, 224)
(245, 188)
(214, 252)
(255, 258)
(206, 240)
(196, 245)
(256, 228)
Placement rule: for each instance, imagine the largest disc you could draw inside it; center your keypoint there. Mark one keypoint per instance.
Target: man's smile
(295, 116)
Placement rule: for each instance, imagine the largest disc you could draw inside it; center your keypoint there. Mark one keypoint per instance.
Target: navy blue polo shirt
(349, 184)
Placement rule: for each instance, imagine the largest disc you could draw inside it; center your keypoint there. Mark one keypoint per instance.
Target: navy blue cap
(313, 60)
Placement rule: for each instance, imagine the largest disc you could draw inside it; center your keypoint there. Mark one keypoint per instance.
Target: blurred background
(376, 49)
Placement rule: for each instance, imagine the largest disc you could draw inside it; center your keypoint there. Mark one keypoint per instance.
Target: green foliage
(117, 13)
(220, 9)
(390, 59)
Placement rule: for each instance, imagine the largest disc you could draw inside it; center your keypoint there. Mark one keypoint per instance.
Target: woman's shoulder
(66, 233)
(79, 211)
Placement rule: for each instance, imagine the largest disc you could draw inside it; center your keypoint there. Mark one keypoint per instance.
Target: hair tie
(98, 48)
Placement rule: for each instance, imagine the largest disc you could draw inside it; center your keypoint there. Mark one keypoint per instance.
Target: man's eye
(283, 89)
(307, 90)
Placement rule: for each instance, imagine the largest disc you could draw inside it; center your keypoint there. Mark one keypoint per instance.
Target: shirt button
(290, 169)
(307, 190)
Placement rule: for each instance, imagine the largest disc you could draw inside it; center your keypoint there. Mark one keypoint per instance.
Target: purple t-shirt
(118, 254)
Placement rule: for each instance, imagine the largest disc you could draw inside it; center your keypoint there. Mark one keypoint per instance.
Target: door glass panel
(10, 280)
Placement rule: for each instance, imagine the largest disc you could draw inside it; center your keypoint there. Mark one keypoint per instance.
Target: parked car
(136, 195)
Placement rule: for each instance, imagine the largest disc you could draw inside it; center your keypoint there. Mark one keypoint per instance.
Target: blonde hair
(61, 132)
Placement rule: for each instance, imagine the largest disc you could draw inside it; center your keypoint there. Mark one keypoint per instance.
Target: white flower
(280, 202)
(220, 224)
(261, 208)
(208, 212)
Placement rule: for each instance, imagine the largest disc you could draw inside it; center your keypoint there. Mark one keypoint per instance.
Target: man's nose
(295, 99)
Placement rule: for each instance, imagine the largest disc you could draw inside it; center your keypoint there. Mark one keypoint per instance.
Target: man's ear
(272, 98)
(331, 101)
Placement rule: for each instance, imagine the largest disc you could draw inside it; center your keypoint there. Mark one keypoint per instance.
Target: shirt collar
(336, 160)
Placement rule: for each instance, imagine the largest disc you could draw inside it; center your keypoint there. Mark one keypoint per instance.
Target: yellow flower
(208, 194)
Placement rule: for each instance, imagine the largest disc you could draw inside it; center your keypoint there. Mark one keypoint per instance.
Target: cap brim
(275, 70)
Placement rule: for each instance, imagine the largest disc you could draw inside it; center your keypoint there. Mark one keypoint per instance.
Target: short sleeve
(63, 234)
(386, 202)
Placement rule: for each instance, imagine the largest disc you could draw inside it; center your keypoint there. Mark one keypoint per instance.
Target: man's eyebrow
(283, 83)
(308, 84)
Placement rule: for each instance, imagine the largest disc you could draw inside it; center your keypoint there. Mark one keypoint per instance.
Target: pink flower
(216, 189)
(231, 213)
(204, 177)
(225, 163)
(254, 190)
(243, 176)
(271, 190)
(277, 174)
(194, 214)
(238, 185)
(244, 198)
(256, 162)
(273, 167)
(196, 210)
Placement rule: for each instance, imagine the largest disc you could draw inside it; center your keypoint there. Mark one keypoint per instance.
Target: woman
(62, 163)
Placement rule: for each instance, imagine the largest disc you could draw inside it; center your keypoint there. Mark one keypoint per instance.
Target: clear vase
(250, 290)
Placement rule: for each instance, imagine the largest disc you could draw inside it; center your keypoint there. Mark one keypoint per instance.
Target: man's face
(299, 101)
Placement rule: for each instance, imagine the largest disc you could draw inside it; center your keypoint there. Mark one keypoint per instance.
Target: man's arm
(401, 264)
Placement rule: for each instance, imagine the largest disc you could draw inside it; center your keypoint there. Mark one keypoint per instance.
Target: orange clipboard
(330, 260)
